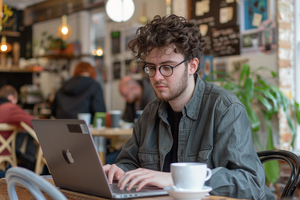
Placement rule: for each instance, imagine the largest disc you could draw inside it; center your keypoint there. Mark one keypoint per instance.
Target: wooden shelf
(10, 33)
(18, 70)
(61, 56)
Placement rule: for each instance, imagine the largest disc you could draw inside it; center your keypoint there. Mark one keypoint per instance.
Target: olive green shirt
(214, 129)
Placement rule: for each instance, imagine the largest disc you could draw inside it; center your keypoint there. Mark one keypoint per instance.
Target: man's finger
(111, 173)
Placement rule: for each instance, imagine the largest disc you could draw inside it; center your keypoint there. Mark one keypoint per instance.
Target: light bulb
(3, 47)
(119, 10)
(99, 52)
(65, 30)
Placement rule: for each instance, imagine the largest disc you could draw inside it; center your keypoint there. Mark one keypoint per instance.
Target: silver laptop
(74, 162)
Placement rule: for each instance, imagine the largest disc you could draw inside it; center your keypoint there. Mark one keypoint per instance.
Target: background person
(190, 121)
(137, 94)
(80, 94)
(11, 113)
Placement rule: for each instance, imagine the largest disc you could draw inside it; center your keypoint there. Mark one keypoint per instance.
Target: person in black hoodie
(80, 94)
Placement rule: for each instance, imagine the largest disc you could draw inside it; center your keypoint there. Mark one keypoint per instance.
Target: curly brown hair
(167, 30)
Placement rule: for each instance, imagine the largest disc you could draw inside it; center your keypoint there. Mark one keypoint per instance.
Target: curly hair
(82, 67)
(167, 30)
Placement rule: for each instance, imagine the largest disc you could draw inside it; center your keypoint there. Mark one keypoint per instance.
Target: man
(11, 113)
(137, 94)
(191, 120)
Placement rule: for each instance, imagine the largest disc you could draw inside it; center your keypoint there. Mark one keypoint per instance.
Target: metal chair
(294, 163)
(40, 160)
(7, 145)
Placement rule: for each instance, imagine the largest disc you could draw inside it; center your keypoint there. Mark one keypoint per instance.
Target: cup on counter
(85, 116)
(138, 113)
(115, 116)
(99, 120)
(190, 176)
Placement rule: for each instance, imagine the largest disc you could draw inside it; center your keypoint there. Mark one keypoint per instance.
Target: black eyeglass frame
(159, 69)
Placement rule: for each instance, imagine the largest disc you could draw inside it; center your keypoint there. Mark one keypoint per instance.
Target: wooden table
(24, 194)
(111, 132)
(118, 137)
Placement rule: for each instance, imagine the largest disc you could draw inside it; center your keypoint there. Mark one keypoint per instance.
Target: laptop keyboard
(115, 189)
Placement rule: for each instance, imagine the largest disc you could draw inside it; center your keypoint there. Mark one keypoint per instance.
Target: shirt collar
(192, 108)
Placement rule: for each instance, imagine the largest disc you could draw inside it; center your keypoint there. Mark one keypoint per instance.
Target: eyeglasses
(165, 70)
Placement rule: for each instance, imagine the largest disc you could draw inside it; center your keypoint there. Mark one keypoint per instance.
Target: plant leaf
(249, 86)
(245, 71)
(266, 92)
(266, 103)
(291, 126)
(253, 118)
(272, 170)
(256, 141)
(297, 111)
(271, 167)
(264, 68)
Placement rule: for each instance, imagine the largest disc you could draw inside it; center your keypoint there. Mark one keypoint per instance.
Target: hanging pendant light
(119, 10)
(98, 51)
(64, 30)
(4, 46)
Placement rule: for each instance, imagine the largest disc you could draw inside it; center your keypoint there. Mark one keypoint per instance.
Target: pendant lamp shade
(119, 10)
(64, 30)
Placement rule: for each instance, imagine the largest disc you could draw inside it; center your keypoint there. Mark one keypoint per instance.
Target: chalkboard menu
(214, 13)
(217, 21)
(226, 41)
(115, 42)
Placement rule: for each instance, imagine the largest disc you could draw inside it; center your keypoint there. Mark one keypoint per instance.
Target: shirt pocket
(149, 160)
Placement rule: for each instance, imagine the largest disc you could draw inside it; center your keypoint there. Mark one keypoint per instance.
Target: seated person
(190, 121)
(13, 114)
(80, 94)
(137, 94)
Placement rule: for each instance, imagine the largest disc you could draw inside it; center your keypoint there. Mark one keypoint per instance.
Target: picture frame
(252, 13)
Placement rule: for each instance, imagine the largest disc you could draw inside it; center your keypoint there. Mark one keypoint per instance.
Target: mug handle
(208, 174)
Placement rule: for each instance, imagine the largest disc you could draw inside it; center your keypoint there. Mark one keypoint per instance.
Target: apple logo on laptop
(68, 156)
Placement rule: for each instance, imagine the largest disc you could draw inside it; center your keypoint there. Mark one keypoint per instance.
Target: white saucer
(184, 194)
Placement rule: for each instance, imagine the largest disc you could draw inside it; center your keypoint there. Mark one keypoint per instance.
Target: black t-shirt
(173, 119)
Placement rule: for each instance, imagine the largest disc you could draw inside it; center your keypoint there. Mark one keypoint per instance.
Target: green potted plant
(255, 93)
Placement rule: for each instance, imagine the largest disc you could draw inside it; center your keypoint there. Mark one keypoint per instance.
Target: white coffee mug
(85, 116)
(190, 176)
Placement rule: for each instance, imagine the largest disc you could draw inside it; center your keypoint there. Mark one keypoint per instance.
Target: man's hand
(144, 177)
(113, 172)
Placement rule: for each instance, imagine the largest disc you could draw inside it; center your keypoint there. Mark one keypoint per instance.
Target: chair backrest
(8, 134)
(32, 182)
(40, 160)
(294, 163)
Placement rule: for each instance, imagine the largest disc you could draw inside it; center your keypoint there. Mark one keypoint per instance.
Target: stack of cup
(115, 116)
(86, 117)
(99, 120)
(137, 115)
